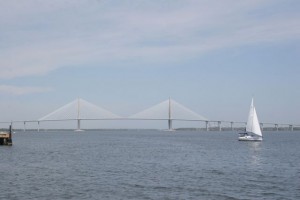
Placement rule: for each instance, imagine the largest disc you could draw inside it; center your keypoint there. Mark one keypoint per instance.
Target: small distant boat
(253, 131)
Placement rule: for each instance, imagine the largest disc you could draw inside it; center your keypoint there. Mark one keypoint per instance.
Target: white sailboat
(253, 131)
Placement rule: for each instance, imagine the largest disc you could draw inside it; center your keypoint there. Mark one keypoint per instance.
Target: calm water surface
(150, 165)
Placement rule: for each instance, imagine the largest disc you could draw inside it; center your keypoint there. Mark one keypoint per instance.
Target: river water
(149, 165)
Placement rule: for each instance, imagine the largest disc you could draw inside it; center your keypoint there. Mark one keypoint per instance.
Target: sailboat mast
(252, 104)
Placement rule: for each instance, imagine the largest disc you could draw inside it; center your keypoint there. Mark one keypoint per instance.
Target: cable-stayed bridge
(79, 110)
(168, 110)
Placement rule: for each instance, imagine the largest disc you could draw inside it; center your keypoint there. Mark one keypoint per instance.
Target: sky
(211, 56)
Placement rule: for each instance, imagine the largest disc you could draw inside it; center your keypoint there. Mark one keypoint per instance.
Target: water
(150, 165)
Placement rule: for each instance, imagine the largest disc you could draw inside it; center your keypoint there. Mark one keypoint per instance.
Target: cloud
(39, 39)
(16, 90)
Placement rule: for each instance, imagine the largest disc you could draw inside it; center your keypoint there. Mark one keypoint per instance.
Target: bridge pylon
(170, 116)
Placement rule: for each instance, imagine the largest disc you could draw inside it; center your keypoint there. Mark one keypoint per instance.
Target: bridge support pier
(206, 125)
(38, 129)
(78, 124)
(170, 115)
(276, 127)
(231, 125)
(170, 124)
(24, 127)
(219, 125)
(291, 127)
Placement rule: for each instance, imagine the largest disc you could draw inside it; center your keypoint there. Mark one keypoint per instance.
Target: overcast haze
(210, 55)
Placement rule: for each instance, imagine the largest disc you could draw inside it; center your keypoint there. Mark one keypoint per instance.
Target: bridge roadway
(275, 126)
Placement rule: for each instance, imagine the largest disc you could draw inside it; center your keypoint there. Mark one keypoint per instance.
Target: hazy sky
(127, 55)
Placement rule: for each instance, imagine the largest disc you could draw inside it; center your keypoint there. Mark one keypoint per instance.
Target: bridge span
(170, 111)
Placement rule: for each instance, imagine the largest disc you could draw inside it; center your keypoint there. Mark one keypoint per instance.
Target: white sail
(253, 123)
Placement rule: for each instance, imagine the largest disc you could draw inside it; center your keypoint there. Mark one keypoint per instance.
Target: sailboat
(253, 131)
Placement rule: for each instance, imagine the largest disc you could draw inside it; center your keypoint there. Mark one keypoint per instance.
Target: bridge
(169, 110)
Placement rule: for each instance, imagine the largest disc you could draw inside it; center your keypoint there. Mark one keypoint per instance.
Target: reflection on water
(255, 152)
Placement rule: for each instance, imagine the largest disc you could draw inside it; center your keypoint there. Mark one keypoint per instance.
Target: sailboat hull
(250, 138)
